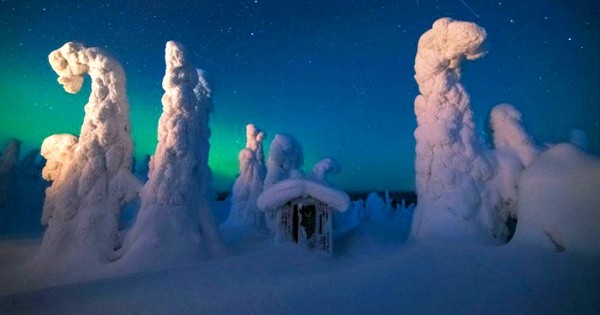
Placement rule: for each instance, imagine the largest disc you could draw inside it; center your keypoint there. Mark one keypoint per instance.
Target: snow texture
(292, 188)
(175, 224)
(325, 167)
(249, 183)
(559, 204)
(91, 175)
(285, 156)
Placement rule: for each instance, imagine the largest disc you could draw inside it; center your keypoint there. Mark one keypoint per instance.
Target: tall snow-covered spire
(175, 220)
(450, 169)
(249, 183)
(91, 174)
(465, 190)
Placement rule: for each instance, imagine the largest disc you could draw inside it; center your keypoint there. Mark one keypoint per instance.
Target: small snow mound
(559, 204)
(293, 188)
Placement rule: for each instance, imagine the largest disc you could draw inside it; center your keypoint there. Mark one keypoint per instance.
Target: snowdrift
(559, 201)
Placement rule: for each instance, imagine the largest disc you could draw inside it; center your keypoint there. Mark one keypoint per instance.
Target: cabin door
(303, 218)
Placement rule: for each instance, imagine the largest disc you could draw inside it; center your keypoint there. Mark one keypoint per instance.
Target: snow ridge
(249, 183)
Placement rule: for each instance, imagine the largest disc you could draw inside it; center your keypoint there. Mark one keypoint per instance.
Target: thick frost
(175, 223)
(249, 183)
(91, 175)
(559, 203)
(292, 188)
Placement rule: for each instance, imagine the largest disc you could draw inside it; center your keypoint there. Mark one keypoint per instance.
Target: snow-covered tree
(91, 175)
(377, 209)
(325, 167)
(513, 151)
(509, 133)
(249, 183)
(175, 223)
(450, 170)
(285, 156)
(464, 189)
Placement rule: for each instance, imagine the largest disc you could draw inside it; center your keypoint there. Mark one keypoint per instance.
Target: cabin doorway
(303, 217)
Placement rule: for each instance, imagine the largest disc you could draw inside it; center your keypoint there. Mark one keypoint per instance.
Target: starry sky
(338, 75)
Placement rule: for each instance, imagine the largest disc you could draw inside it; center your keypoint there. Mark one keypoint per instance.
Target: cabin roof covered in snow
(292, 188)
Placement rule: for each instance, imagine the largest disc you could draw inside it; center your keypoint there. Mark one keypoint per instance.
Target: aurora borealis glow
(338, 75)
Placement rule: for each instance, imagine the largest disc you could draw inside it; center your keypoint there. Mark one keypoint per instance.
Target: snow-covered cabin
(303, 209)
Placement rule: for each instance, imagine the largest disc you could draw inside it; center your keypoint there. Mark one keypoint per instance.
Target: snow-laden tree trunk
(175, 224)
(450, 169)
(249, 183)
(91, 177)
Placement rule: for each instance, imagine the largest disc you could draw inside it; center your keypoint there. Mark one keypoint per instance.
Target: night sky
(338, 75)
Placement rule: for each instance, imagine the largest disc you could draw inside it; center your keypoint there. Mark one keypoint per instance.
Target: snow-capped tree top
(325, 167)
(292, 188)
(444, 47)
(509, 133)
(178, 71)
(287, 150)
(203, 91)
(285, 155)
(254, 137)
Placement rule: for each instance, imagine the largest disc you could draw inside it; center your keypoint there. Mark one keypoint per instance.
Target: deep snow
(374, 271)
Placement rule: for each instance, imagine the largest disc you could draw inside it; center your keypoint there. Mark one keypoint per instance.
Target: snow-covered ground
(374, 271)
